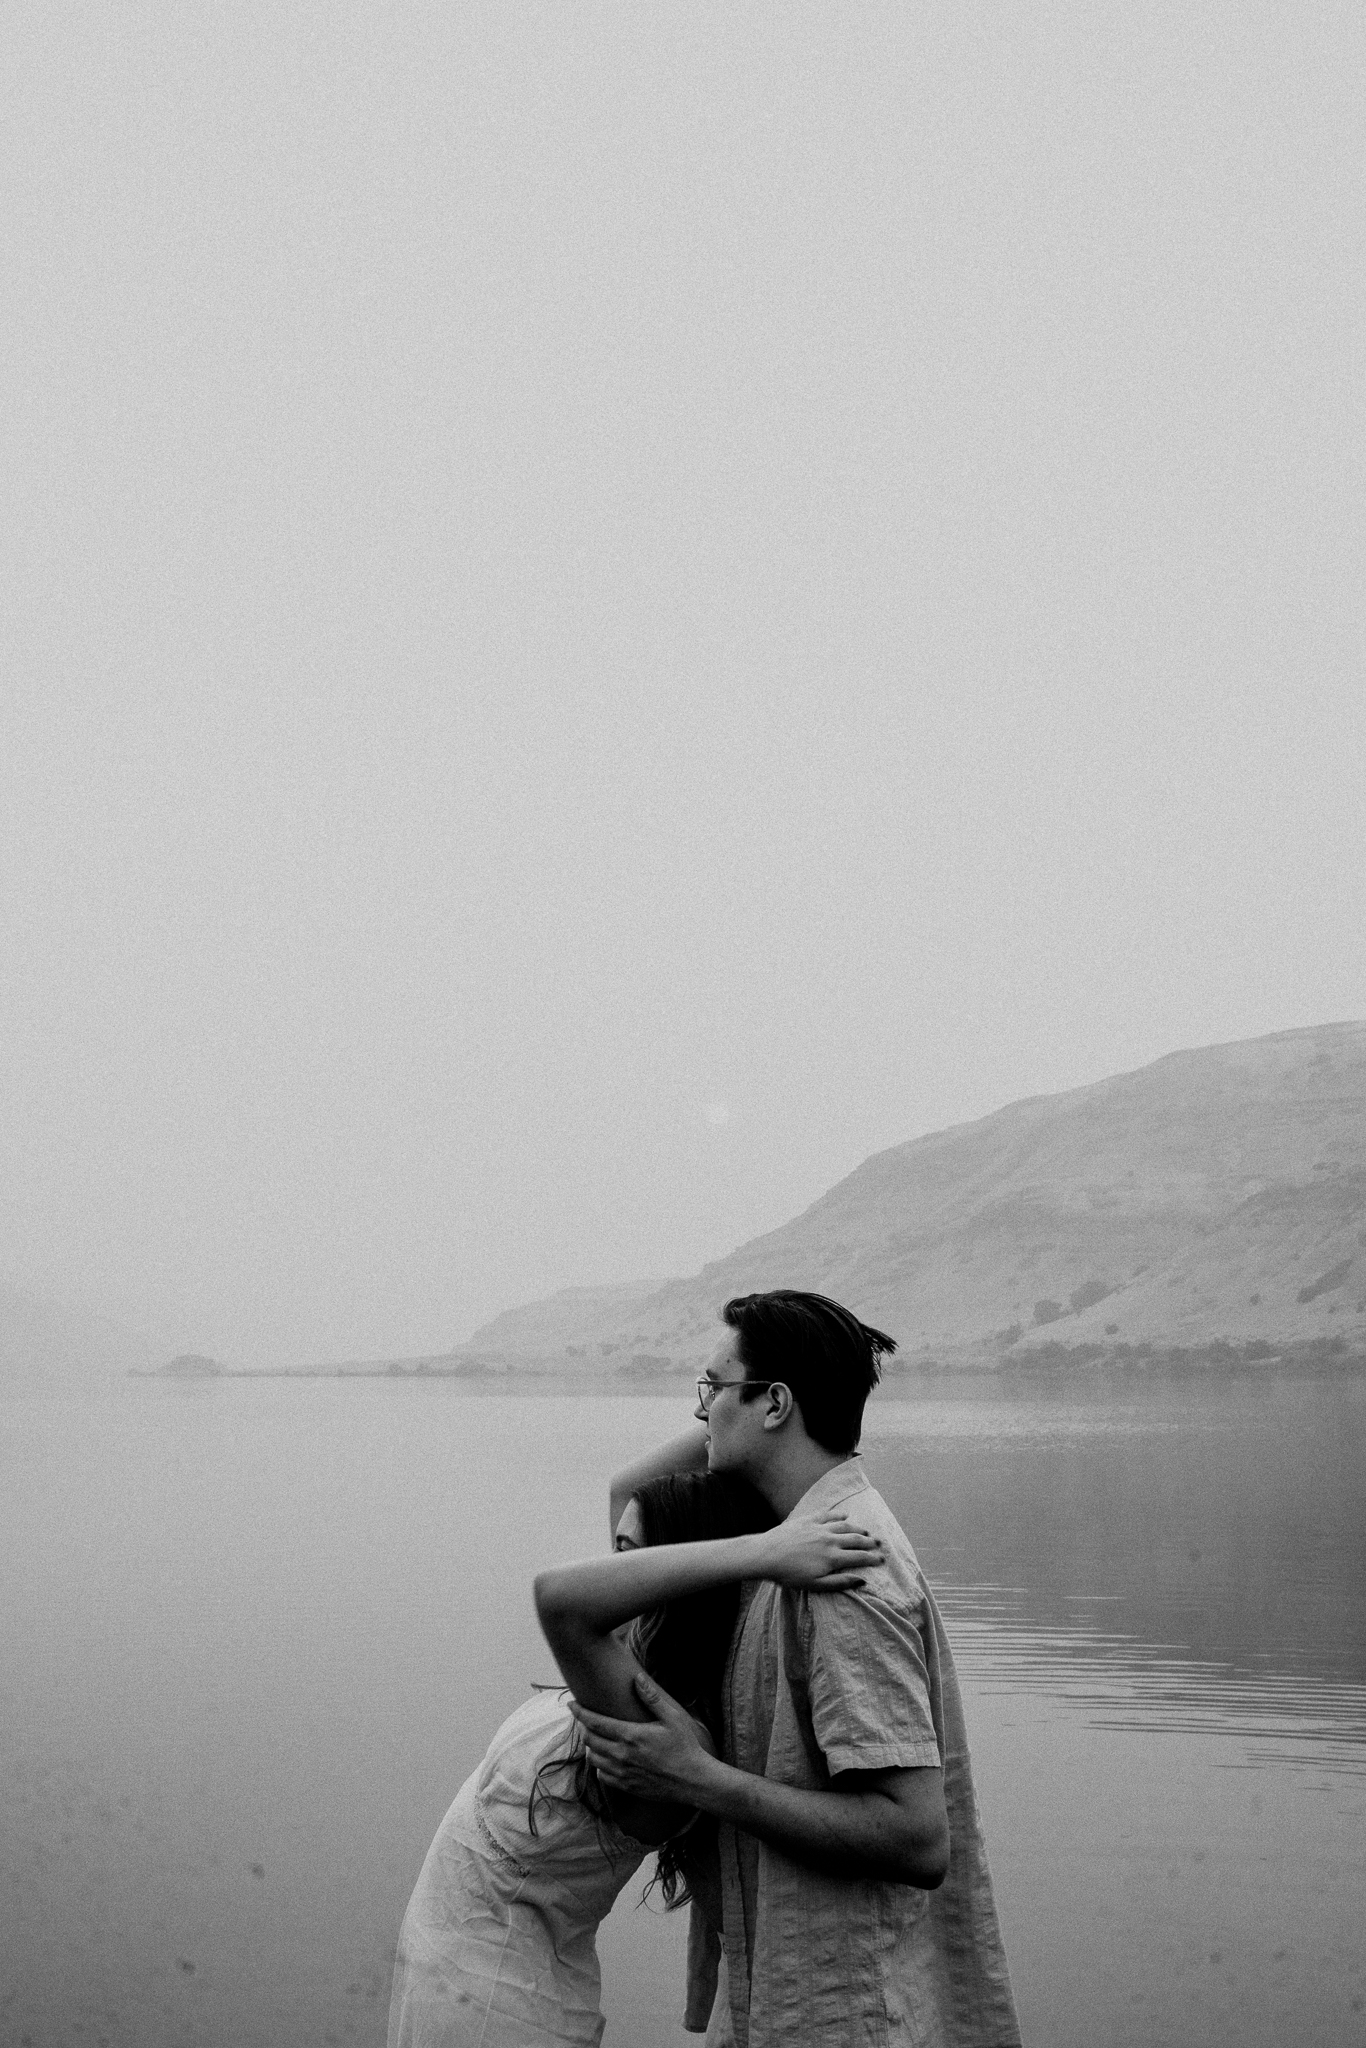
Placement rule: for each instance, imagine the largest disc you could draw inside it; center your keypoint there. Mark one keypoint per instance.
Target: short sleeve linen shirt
(818, 1684)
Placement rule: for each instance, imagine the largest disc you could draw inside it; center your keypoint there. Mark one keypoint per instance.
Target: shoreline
(1088, 1361)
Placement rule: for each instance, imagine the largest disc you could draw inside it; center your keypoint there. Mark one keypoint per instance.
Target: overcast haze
(609, 609)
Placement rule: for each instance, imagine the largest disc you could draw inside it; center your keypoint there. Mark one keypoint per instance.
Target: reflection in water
(1270, 1718)
(1180, 1556)
(255, 1635)
(1156, 1589)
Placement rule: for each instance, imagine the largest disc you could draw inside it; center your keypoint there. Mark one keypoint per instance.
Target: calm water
(253, 1636)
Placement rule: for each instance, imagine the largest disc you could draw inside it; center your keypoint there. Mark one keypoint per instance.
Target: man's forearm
(863, 1834)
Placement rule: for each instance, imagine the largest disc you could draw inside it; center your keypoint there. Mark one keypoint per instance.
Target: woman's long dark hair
(684, 1644)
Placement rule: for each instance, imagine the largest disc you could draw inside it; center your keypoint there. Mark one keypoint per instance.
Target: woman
(497, 1947)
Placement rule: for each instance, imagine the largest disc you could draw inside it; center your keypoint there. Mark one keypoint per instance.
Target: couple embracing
(761, 1694)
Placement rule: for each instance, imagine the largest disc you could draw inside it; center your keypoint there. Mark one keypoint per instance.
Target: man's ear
(779, 1405)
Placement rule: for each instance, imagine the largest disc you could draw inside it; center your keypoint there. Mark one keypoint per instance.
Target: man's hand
(661, 1759)
(890, 1824)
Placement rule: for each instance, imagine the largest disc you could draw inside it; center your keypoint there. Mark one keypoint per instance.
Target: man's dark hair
(829, 1359)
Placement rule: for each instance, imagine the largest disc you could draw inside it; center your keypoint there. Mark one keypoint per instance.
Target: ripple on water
(1267, 1719)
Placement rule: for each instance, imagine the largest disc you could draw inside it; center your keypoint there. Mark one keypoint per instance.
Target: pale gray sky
(607, 609)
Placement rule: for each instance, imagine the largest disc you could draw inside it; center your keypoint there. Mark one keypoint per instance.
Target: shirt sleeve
(704, 1965)
(870, 1684)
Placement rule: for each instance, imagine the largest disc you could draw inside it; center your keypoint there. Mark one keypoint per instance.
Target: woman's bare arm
(582, 1606)
(581, 1609)
(685, 1453)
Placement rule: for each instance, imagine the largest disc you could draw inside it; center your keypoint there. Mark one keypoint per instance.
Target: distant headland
(192, 1365)
(1207, 1211)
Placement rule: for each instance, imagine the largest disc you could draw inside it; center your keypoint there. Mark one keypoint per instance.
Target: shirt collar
(841, 1482)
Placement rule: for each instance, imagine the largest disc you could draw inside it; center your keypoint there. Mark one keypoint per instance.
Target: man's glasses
(707, 1390)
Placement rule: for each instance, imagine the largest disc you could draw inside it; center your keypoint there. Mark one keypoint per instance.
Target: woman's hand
(829, 1556)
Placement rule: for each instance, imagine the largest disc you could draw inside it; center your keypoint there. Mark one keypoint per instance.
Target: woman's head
(683, 1645)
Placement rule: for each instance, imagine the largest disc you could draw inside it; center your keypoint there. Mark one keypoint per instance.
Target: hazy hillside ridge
(1216, 1198)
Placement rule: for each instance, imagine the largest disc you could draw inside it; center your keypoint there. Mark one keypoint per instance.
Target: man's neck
(794, 1470)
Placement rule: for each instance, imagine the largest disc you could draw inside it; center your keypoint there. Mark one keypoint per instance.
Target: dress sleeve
(873, 1691)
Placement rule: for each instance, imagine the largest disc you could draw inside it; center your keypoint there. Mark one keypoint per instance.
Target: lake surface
(253, 1636)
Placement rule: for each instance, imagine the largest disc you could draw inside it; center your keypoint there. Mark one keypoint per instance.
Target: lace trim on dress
(497, 1848)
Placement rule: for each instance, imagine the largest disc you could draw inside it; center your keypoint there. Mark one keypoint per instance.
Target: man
(856, 1901)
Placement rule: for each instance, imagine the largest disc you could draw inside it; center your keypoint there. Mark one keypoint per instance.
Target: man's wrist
(710, 1785)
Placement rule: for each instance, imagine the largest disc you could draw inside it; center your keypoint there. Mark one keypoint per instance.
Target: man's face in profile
(732, 1423)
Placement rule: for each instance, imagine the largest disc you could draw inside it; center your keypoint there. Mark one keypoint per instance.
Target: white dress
(496, 1948)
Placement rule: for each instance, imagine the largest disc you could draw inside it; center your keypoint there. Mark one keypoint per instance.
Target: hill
(1214, 1198)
